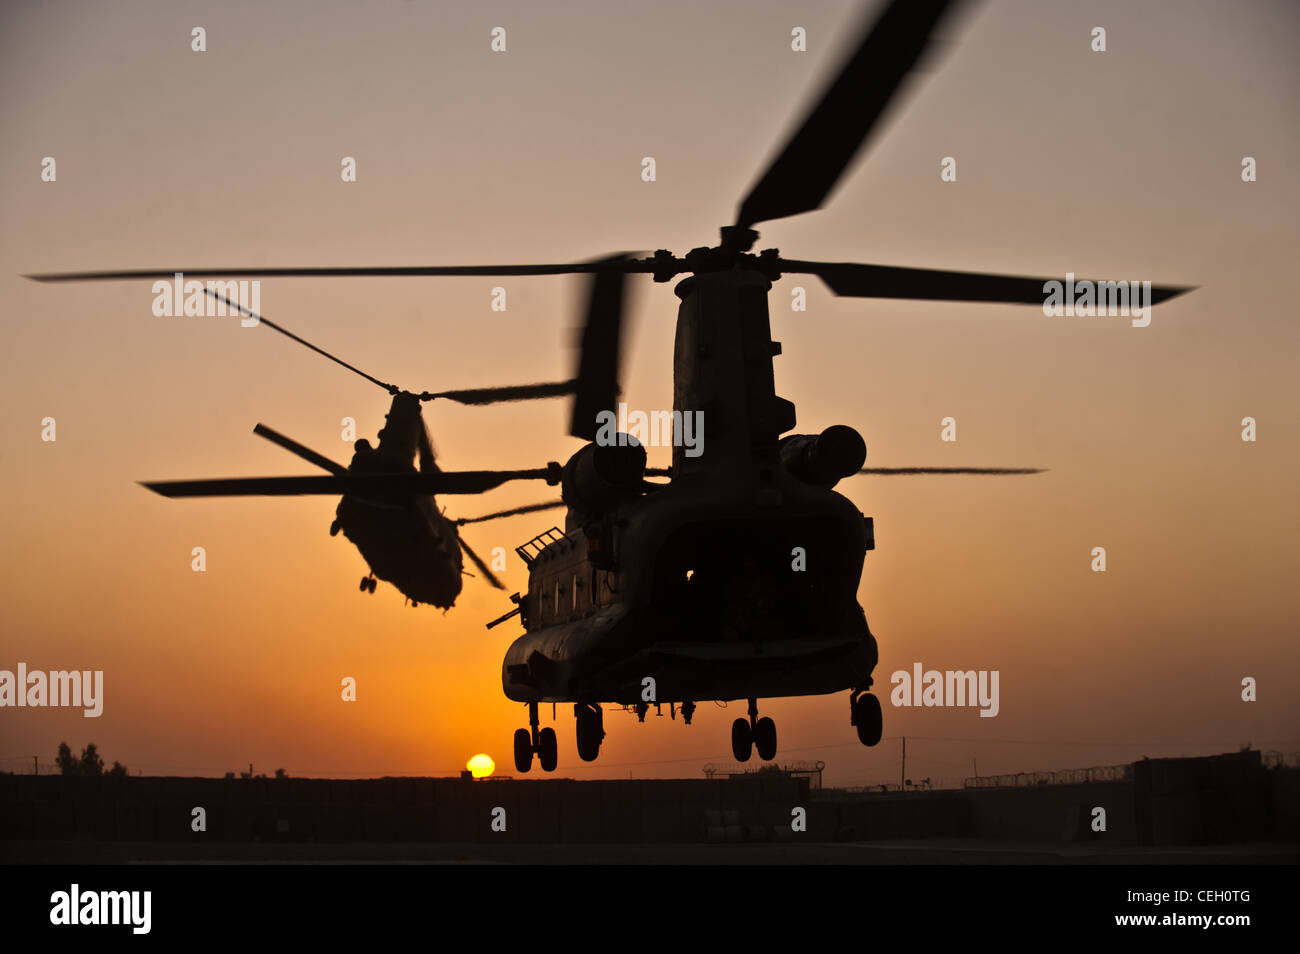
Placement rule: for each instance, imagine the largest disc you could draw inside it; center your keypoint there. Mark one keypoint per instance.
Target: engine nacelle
(599, 477)
(824, 459)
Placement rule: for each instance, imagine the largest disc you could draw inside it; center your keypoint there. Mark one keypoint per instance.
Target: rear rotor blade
(530, 508)
(929, 284)
(598, 362)
(360, 485)
(517, 392)
(390, 388)
(805, 171)
(293, 447)
(482, 567)
(425, 454)
(913, 471)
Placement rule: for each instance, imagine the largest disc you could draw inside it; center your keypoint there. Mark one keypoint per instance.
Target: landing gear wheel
(868, 718)
(742, 740)
(591, 730)
(335, 527)
(765, 739)
(365, 584)
(547, 750)
(373, 584)
(523, 750)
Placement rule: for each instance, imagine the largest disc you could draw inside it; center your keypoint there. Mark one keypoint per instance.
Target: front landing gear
(368, 583)
(865, 715)
(742, 740)
(753, 733)
(529, 741)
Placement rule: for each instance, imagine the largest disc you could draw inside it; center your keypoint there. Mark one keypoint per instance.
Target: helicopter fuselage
(403, 537)
(408, 543)
(736, 580)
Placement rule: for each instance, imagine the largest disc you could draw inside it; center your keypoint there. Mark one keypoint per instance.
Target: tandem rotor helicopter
(687, 586)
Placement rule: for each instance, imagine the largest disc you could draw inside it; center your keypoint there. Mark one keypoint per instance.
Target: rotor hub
(720, 258)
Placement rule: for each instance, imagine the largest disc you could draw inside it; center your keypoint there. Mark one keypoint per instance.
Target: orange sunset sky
(1124, 165)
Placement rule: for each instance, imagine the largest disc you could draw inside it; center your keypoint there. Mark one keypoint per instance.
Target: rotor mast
(723, 386)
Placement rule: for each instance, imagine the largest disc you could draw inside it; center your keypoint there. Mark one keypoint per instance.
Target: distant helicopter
(738, 578)
(388, 509)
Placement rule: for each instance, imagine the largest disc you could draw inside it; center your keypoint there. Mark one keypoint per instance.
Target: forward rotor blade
(929, 284)
(530, 508)
(360, 485)
(482, 567)
(805, 171)
(574, 268)
(913, 471)
(598, 362)
(517, 392)
(293, 447)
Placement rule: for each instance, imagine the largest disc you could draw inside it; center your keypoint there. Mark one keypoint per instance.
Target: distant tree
(91, 763)
(66, 761)
(230, 775)
(281, 773)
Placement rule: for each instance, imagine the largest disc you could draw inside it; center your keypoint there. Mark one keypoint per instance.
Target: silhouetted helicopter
(388, 509)
(738, 578)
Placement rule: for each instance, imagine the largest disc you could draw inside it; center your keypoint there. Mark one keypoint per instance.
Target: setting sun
(481, 766)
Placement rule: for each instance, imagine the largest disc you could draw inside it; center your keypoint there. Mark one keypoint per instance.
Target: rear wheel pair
(590, 730)
(867, 718)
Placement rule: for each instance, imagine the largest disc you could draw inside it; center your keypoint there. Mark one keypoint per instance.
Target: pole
(902, 774)
(36, 766)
